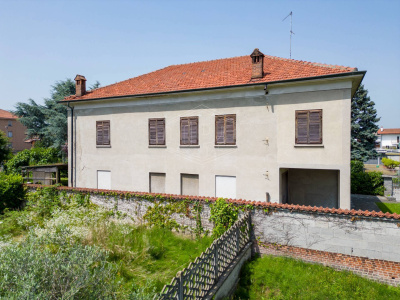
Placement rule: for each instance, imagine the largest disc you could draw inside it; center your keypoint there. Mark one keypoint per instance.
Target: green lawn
(284, 278)
(389, 207)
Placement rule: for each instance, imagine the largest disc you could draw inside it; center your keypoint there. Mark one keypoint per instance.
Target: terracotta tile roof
(7, 115)
(269, 205)
(389, 131)
(214, 73)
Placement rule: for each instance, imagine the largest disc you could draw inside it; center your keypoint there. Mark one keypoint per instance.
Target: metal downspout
(72, 144)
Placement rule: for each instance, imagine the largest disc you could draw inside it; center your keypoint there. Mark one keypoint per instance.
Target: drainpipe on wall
(72, 145)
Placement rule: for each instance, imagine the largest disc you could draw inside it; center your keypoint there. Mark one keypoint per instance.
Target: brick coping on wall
(375, 269)
(264, 205)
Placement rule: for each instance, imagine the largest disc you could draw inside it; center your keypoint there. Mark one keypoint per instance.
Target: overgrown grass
(272, 277)
(389, 207)
(71, 232)
(146, 257)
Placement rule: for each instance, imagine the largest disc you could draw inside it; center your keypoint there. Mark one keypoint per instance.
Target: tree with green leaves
(5, 151)
(48, 121)
(363, 126)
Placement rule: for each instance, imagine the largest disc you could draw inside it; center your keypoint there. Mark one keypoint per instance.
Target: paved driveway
(367, 202)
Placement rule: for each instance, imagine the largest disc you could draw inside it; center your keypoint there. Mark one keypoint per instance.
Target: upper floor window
(10, 123)
(9, 134)
(309, 126)
(190, 131)
(225, 130)
(103, 133)
(156, 131)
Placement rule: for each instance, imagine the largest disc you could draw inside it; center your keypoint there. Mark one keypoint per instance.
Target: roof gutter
(223, 87)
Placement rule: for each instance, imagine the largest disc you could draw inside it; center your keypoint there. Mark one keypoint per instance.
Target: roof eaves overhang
(356, 75)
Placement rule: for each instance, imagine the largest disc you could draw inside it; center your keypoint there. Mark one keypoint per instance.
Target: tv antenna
(291, 31)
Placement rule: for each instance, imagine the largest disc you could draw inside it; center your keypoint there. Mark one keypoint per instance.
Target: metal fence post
(180, 288)
(237, 240)
(216, 261)
(249, 224)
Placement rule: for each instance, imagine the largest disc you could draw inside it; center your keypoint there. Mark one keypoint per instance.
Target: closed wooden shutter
(152, 132)
(225, 130)
(301, 127)
(309, 127)
(184, 131)
(99, 133)
(156, 131)
(161, 132)
(106, 133)
(219, 130)
(315, 127)
(194, 131)
(230, 130)
(103, 133)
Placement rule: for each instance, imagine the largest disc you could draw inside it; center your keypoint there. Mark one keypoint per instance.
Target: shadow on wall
(311, 187)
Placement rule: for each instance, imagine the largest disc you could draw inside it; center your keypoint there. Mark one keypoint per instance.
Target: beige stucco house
(253, 127)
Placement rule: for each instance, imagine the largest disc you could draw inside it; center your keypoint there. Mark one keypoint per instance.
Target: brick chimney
(80, 85)
(257, 64)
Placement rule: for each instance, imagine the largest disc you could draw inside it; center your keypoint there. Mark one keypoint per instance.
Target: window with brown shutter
(156, 132)
(190, 131)
(225, 130)
(309, 126)
(103, 133)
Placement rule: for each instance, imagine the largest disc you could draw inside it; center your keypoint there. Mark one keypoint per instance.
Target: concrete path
(367, 202)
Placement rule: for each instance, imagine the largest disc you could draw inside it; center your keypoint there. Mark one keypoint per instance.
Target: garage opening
(310, 187)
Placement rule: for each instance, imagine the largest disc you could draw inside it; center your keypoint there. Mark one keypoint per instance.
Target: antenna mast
(291, 31)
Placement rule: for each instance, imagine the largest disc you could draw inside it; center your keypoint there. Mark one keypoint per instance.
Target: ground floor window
(157, 183)
(225, 187)
(190, 184)
(104, 180)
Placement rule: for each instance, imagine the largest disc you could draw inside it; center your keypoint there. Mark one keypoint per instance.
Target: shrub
(30, 157)
(356, 166)
(370, 183)
(390, 163)
(223, 215)
(37, 270)
(12, 192)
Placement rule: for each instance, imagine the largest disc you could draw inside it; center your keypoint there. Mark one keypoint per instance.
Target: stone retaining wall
(366, 243)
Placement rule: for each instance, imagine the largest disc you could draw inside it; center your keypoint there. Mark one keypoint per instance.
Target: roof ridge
(305, 62)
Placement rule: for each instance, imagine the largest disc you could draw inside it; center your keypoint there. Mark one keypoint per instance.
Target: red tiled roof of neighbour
(269, 205)
(389, 131)
(211, 74)
(7, 115)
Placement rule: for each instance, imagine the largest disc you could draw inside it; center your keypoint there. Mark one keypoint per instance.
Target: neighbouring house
(254, 127)
(14, 130)
(388, 140)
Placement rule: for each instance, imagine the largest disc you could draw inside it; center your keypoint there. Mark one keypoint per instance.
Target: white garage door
(225, 187)
(104, 180)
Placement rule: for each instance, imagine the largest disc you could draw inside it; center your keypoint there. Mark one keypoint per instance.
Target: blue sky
(42, 42)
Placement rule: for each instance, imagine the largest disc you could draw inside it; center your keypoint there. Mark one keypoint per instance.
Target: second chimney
(257, 64)
(80, 85)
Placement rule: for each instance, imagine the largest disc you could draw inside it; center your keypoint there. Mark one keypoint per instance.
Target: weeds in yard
(284, 278)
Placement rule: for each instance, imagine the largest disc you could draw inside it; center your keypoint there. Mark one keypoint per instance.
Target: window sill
(189, 146)
(225, 146)
(309, 146)
(103, 146)
(157, 146)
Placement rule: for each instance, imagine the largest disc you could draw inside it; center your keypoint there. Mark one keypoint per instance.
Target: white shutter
(104, 180)
(225, 187)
